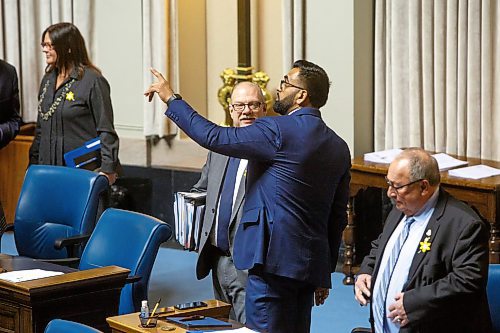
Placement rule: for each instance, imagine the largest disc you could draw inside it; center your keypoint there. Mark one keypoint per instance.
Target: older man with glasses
(224, 178)
(427, 271)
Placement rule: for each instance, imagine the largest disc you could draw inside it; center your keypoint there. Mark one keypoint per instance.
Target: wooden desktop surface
(481, 194)
(129, 323)
(14, 160)
(88, 296)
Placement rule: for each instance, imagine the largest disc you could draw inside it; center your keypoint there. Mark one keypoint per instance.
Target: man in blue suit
(296, 197)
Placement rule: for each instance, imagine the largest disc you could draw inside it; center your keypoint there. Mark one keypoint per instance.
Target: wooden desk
(129, 323)
(482, 194)
(84, 296)
(13, 161)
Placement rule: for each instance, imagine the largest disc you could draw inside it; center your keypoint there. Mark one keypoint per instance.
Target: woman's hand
(111, 177)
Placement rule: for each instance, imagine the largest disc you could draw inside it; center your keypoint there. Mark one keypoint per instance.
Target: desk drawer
(9, 318)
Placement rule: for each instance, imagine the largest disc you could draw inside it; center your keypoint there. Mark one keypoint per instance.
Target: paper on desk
(383, 156)
(446, 162)
(475, 172)
(27, 275)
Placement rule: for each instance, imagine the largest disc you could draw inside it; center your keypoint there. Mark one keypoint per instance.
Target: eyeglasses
(286, 83)
(50, 46)
(397, 188)
(253, 106)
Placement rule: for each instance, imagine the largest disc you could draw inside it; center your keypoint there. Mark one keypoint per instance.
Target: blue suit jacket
(297, 190)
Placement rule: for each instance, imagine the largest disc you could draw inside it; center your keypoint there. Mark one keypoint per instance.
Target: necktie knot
(409, 221)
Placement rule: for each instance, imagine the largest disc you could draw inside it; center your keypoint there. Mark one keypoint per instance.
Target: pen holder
(148, 322)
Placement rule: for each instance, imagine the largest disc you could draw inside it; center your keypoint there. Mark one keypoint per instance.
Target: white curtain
(437, 76)
(155, 29)
(21, 25)
(293, 32)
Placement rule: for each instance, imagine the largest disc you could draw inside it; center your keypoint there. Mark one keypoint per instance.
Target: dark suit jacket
(9, 103)
(446, 287)
(211, 180)
(297, 190)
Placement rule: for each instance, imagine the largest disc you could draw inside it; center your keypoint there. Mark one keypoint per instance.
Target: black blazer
(446, 287)
(9, 104)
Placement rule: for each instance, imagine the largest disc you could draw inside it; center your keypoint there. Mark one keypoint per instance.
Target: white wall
(331, 30)
(332, 27)
(119, 56)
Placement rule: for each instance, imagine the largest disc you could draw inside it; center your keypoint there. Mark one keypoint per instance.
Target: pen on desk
(154, 310)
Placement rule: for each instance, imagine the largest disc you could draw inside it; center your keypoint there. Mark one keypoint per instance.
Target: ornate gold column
(244, 72)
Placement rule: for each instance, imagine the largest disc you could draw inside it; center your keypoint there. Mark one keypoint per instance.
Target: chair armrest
(71, 244)
(133, 278)
(70, 241)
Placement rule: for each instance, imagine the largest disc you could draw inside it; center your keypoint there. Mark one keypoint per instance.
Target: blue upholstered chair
(56, 203)
(65, 326)
(493, 290)
(129, 240)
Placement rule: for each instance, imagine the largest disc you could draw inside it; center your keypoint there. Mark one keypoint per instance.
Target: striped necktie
(379, 303)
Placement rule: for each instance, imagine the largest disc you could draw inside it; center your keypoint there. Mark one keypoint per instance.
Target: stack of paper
(27, 275)
(446, 162)
(189, 208)
(384, 156)
(475, 172)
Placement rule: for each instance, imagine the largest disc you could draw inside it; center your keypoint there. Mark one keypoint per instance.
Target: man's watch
(173, 98)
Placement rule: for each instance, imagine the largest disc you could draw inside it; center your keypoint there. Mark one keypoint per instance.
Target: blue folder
(87, 156)
(198, 322)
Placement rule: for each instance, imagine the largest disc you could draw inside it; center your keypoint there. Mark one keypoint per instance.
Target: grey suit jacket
(211, 180)
(446, 287)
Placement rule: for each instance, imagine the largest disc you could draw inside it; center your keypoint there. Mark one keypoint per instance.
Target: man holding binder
(223, 178)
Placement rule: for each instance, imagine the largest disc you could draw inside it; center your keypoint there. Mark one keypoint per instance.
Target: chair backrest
(130, 240)
(65, 326)
(493, 291)
(55, 202)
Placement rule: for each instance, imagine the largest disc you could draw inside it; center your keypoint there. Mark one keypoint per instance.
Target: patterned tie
(385, 278)
(226, 204)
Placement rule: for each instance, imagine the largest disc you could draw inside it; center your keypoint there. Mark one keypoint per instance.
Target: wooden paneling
(13, 163)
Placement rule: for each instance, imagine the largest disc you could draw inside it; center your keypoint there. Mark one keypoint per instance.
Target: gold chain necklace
(53, 107)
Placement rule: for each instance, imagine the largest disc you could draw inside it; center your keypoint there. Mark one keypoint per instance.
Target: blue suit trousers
(278, 304)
